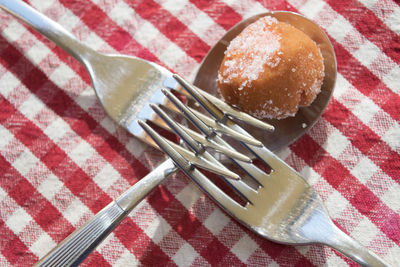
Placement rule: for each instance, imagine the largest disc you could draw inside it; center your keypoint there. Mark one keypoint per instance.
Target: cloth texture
(62, 159)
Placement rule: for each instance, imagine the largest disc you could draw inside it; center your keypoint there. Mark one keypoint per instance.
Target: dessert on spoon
(270, 69)
(287, 129)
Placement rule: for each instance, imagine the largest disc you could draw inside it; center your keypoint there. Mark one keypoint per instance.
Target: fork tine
(269, 158)
(227, 110)
(243, 189)
(225, 201)
(246, 192)
(223, 129)
(208, 131)
(193, 139)
(182, 161)
(255, 173)
(220, 148)
(212, 123)
(217, 126)
(198, 148)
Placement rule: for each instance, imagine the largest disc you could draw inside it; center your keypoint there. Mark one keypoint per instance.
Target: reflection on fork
(78, 245)
(282, 207)
(278, 205)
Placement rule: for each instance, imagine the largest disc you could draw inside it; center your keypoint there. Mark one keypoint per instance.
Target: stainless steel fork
(125, 86)
(283, 207)
(78, 245)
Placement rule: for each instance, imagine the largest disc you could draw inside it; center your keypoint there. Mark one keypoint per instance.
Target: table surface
(62, 159)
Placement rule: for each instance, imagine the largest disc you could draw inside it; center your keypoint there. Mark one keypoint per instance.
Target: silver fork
(78, 245)
(125, 86)
(283, 207)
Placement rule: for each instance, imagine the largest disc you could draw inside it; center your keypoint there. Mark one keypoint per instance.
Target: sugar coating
(270, 69)
(253, 52)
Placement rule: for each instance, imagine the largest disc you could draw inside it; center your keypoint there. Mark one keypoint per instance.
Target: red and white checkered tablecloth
(62, 159)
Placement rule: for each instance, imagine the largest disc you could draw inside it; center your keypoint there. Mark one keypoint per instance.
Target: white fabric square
(37, 53)
(185, 255)
(339, 28)
(201, 24)
(57, 129)
(146, 33)
(8, 83)
(311, 176)
(81, 153)
(244, 248)
(252, 8)
(216, 221)
(158, 229)
(392, 136)
(367, 53)
(334, 260)
(86, 99)
(50, 187)
(6, 138)
(136, 147)
(235, 5)
(273, 264)
(283, 153)
(61, 75)
(3, 194)
(41, 5)
(95, 42)
(364, 169)
(173, 6)
(172, 54)
(369, 3)
(68, 20)
(42, 245)
(127, 259)
(106, 177)
(121, 12)
(366, 110)
(188, 196)
(14, 31)
(393, 21)
(336, 143)
(365, 231)
(25, 162)
(336, 204)
(109, 124)
(311, 8)
(391, 196)
(342, 86)
(18, 220)
(75, 211)
(392, 79)
(31, 107)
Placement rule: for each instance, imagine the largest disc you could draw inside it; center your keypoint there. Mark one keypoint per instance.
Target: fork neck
(49, 28)
(351, 248)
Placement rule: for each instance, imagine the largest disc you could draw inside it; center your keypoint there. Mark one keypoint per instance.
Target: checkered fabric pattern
(62, 159)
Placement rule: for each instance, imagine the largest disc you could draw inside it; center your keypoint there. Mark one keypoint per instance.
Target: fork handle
(49, 28)
(78, 245)
(354, 250)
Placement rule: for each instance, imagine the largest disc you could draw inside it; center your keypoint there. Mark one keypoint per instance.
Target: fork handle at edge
(49, 28)
(354, 250)
(78, 245)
